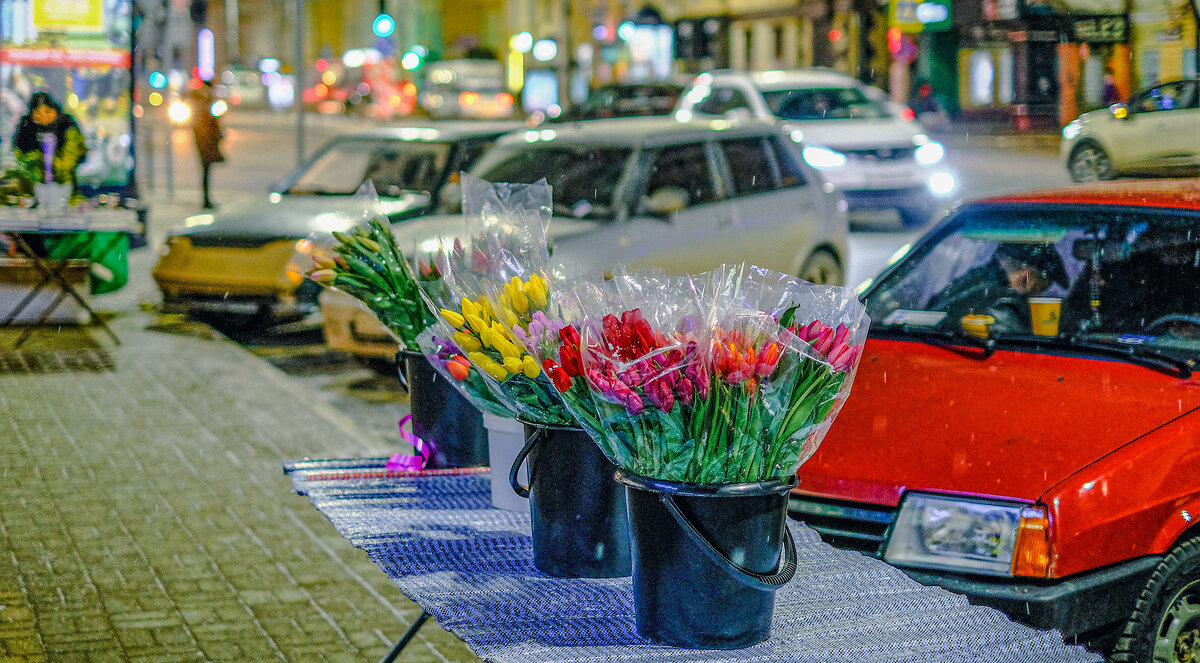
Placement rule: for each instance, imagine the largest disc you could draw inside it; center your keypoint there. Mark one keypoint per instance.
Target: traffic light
(383, 25)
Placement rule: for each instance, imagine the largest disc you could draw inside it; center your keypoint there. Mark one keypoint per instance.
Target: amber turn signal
(1031, 558)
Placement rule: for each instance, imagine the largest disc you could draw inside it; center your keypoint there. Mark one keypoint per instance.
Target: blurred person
(206, 129)
(1110, 94)
(47, 126)
(1159, 282)
(1002, 287)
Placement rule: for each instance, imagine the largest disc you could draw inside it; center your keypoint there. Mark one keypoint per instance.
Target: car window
(749, 165)
(836, 103)
(393, 166)
(584, 178)
(1172, 96)
(1128, 277)
(683, 169)
(722, 100)
(790, 174)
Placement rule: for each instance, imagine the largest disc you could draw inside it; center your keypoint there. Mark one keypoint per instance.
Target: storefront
(1040, 65)
(1164, 38)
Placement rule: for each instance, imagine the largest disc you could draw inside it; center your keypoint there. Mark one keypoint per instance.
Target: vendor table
(18, 221)
(470, 567)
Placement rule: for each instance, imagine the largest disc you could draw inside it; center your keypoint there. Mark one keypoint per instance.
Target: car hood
(857, 134)
(924, 418)
(291, 216)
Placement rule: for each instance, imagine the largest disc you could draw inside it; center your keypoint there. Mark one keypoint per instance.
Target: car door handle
(724, 222)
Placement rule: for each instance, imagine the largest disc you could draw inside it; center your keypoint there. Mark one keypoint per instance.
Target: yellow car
(243, 266)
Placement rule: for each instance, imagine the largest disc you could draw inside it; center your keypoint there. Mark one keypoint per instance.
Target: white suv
(872, 150)
(1156, 132)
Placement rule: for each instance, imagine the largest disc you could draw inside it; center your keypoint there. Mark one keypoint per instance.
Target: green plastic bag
(108, 252)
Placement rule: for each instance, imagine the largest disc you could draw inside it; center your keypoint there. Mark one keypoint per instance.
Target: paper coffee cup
(1044, 312)
(977, 325)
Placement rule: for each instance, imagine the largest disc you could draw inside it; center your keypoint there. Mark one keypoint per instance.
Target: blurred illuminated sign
(69, 15)
(912, 16)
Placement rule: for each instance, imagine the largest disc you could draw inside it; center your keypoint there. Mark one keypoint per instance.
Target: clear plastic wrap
(450, 360)
(731, 376)
(495, 293)
(363, 260)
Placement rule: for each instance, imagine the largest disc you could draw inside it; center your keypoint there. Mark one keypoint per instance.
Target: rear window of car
(393, 166)
(584, 178)
(833, 103)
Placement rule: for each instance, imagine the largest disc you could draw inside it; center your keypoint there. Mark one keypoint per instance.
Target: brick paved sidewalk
(144, 515)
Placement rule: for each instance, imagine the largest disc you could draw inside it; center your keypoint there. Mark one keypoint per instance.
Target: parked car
(874, 151)
(466, 89)
(624, 100)
(681, 196)
(1155, 132)
(1055, 476)
(244, 265)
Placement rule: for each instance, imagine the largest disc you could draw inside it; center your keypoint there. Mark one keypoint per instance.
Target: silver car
(681, 196)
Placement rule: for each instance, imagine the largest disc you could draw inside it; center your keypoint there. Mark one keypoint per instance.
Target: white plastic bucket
(505, 439)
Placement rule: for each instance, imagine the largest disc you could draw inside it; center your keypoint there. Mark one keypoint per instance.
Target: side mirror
(666, 201)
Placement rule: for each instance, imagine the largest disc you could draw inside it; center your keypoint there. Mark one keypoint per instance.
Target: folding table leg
(53, 274)
(408, 636)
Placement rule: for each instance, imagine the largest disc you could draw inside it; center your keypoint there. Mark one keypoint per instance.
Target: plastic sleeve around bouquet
(363, 260)
(450, 361)
(719, 391)
(496, 283)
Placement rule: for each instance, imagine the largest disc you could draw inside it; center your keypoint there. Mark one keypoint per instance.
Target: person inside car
(1002, 287)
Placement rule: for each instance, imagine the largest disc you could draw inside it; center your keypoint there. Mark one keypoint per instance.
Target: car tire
(1165, 624)
(822, 268)
(1090, 163)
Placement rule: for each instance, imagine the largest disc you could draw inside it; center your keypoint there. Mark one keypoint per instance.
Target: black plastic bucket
(442, 416)
(688, 590)
(580, 523)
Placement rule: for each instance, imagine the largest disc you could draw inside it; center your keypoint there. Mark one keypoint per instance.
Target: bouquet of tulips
(497, 274)
(739, 385)
(366, 263)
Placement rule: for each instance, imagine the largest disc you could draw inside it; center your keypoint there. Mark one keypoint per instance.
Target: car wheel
(822, 268)
(1090, 163)
(1165, 624)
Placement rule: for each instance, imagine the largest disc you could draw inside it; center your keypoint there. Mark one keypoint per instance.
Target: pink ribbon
(405, 463)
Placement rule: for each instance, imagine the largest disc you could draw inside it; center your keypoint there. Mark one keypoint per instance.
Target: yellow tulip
(455, 319)
(513, 365)
(488, 365)
(323, 276)
(476, 323)
(324, 261)
(520, 303)
(467, 342)
(530, 367)
(469, 307)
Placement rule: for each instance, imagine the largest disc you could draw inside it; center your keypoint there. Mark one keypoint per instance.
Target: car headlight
(823, 157)
(930, 153)
(1072, 129)
(977, 536)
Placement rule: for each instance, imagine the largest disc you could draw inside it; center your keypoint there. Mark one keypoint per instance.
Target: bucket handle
(762, 581)
(534, 438)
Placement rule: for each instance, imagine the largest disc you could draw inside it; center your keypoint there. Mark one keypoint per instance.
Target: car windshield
(584, 177)
(394, 166)
(835, 103)
(1115, 276)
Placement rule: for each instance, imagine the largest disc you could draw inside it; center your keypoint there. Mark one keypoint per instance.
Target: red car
(1053, 473)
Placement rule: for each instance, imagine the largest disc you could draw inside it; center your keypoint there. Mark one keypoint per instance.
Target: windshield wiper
(1134, 354)
(947, 338)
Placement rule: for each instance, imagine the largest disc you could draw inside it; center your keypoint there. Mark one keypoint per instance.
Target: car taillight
(504, 99)
(468, 98)
(908, 114)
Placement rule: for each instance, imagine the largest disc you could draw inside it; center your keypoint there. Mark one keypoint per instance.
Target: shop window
(981, 84)
(1004, 76)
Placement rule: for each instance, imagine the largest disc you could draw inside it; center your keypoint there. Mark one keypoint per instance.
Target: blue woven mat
(470, 567)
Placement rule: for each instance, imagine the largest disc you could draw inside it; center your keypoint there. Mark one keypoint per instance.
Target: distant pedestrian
(1111, 95)
(206, 129)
